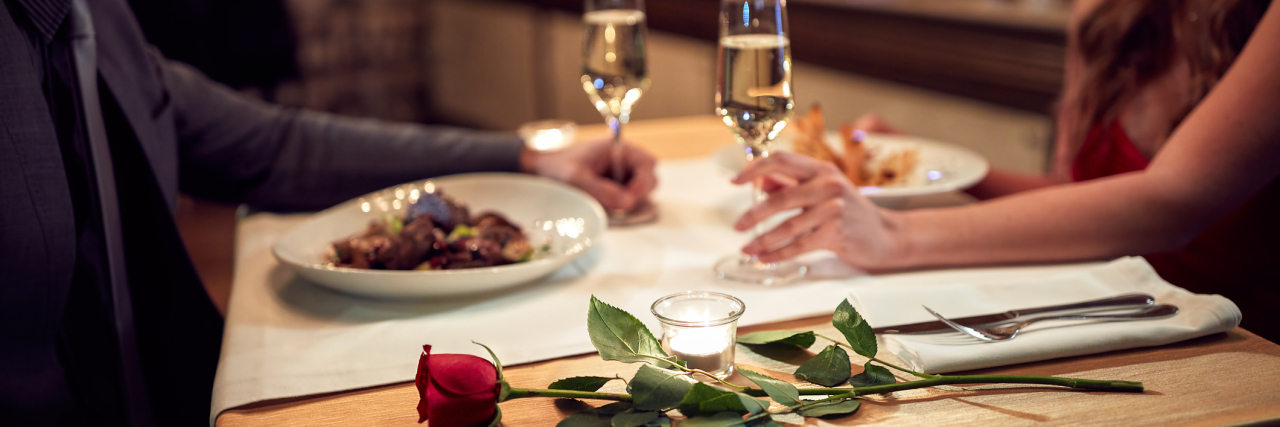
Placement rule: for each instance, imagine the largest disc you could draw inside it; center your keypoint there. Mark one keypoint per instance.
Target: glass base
(746, 269)
(721, 374)
(645, 212)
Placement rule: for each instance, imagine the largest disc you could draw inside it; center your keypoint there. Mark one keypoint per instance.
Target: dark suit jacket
(180, 132)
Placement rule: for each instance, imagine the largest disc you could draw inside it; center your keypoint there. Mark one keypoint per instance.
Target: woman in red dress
(1168, 146)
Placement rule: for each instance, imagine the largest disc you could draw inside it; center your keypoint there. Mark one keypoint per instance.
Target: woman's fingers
(773, 183)
(795, 227)
(807, 243)
(811, 193)
(795, 166)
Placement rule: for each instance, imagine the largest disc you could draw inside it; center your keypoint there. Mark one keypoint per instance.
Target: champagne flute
(755, 99)
(614, 77)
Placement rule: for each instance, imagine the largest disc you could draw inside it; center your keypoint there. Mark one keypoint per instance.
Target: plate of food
(888, 168)
(445, 236)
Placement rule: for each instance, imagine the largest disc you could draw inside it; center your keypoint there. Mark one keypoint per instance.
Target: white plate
(942, 167)
(566, 218)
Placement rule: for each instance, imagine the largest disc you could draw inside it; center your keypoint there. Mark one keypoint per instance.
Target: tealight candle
(700, 328)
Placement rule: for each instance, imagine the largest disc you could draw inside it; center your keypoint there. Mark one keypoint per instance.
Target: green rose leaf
(618, 335)
(596, 417)
(778, 390)
(691, 405)
(766, 422)
(504, 390)
(660, 422)
(872, 375)
(657, 389)
(855, 329)
(839, 407)
(704, 400)
(497, 417)
(580, 383)
(497, 364)
(752, 404)
(829, 368)
(798, 339)
(723, 419)
(637, 419)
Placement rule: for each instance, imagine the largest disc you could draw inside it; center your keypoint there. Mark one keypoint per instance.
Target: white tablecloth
(287, 337)
(1199, 315)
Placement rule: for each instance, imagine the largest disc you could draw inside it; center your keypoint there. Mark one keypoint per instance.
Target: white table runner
(286, 337)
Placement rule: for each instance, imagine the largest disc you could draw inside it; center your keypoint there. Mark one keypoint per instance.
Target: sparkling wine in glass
(614, 77)
(754, 97)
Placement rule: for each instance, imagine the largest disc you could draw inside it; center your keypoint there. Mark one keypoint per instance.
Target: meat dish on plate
(437, 234)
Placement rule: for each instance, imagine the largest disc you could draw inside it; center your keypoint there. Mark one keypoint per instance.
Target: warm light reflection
(413, 195)
(399, 194)
(570, 227)
(548, 139)
(364, 206)
(395, 204)
(429, 187)
(777, 127)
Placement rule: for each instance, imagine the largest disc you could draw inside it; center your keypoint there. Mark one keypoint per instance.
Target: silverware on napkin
(1113, 303)
(1008, 332)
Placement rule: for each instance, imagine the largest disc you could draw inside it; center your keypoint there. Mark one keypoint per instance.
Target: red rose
(456, 390)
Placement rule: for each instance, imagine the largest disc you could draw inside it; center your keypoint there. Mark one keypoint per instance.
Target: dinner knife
(1113, 303)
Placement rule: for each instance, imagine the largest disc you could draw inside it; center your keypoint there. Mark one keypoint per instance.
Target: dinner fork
(1002, 333)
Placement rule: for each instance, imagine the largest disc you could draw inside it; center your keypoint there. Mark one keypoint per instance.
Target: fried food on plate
(875, 166)
(811, 140)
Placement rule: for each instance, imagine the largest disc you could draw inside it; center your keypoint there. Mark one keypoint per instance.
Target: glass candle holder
(700, 328)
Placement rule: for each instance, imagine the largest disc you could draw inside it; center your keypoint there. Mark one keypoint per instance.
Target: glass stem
(615, 158)
(757, 196)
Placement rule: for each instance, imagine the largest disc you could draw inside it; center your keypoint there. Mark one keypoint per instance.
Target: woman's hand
(587, 165)
(873, 123)
(834, 214)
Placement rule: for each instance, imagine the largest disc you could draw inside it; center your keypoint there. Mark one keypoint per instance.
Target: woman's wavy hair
(1126, 44)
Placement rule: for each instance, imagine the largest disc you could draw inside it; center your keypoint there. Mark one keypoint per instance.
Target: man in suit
(105, 320)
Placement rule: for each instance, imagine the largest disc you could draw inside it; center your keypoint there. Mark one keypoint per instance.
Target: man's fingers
(643, 180)
(608, 192)
(794, 228)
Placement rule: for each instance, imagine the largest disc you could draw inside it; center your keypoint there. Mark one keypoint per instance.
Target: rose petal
(454, 410)
(422, 380)
(463, 374)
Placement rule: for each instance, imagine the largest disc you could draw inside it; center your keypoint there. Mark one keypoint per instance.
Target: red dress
(1237, 257)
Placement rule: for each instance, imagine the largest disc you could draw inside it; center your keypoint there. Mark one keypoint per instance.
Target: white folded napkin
(935, 353)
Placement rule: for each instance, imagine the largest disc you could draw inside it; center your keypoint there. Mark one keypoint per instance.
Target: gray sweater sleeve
(236, 149)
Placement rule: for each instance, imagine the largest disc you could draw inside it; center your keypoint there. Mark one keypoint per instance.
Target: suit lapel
(136, 82)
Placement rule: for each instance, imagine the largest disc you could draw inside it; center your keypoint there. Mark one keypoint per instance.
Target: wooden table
(1224, 379)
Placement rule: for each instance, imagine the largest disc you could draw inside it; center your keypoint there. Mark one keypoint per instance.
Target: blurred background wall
(979, 73)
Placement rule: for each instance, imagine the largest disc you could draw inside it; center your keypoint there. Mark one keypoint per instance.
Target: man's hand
(586, 165)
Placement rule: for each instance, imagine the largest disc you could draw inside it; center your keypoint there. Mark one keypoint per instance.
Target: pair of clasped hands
(834, 215)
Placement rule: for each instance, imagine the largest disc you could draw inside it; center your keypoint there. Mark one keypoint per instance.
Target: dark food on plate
(438, 234)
